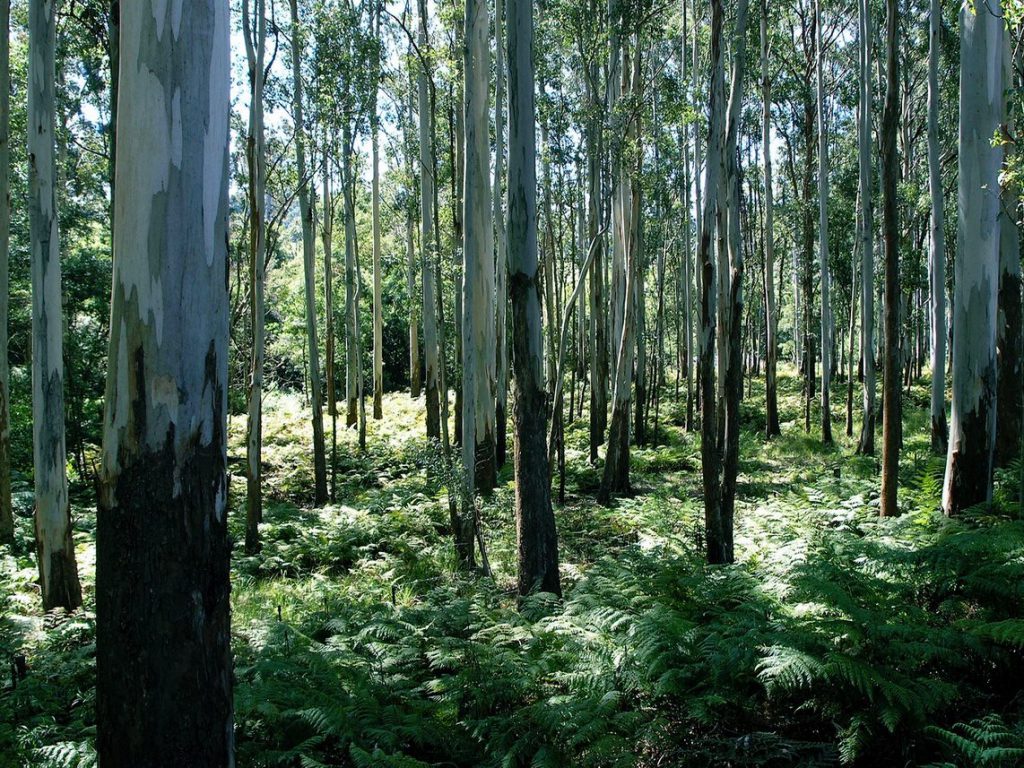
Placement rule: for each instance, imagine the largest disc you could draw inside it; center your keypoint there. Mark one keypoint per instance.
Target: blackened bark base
(616, 464)
(62, 589)
(969, 466)
(163, 656)
(1010, 392)
(433, 410)
(500, 436)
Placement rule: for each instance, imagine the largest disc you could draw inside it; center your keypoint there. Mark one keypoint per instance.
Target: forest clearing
(508, 383)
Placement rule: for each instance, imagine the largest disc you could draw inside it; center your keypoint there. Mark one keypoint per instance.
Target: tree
(309, 262)
(378, 310)
(256, 158)
(823, 266)
(536, 536)
(6, 510)
(866, 443)
(968, 479)
(500, 264)
(937, 249)
(163, 654)
(1009, 333)
(427, 241)
(58, 573)
(771, 387)
(478, 328)
(892, 408)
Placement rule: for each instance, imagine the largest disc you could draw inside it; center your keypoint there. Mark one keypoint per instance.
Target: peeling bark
(58, 577)
(162, 591)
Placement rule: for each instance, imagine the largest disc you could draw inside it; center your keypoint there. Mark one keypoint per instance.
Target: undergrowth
(837, 639)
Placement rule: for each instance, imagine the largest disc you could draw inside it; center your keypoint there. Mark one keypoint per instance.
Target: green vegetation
(838, 637)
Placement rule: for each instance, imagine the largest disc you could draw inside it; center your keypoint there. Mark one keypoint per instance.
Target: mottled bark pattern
(162, 577)
(58, 577)
(972, 428)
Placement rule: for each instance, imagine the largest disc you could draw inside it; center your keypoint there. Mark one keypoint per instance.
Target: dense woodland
(557, 383)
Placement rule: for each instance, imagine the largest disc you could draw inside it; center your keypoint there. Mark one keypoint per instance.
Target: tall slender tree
(937, 248)
(163, 653)
(536, 536)
(866, 443)
(427, 239)
(55, 547)
(823, 265)
(771, 321)
(500, 263)
(256, 160)
(478, 327)
(6, 508)
(378, 277)
(308, 261)
(891, 428)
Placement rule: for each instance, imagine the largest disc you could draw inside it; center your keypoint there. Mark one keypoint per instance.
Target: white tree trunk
(163, 592)
(500, 263)
(937, 251)
(478, 327)
(55, 547)
(771, 321)
(378, 311)
(430, 350)
(823, 266)
(968, 478)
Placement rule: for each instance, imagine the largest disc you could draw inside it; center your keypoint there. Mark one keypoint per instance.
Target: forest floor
(838, 637)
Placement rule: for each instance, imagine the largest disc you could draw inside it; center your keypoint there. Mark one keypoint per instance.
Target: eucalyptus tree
(478, 325)
(163, 653)
(58, 572)
(1009, 330)
(308, 259)
(771, 321)
(428, 243)
(968, 479)
(865, 164)
(378, 294)
(937, 247)
(823, 265)
(255, 37)
(6, 508)
(536, 535)
(500, 239)
(892, 407)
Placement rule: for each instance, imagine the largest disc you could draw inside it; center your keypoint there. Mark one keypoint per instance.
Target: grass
(838, 638)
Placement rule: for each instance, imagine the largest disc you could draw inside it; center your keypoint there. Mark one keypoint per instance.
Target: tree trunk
(330, 345)
(711, 455)
(598, 303)
(6, 509)
(353, 373)
(616, 466)
(163, 654)
(1009, 333)
(771, 386)
(58, 576)
(969, 456)
(536, 536)
(733, 389)
(257, 165)
(309, 264)
(866, 443)
(937, 251)
(478, 327)
(378, 312)
(415, 371)
(892, 413)
(500, 263)
(427, 244)
(823, 266)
